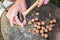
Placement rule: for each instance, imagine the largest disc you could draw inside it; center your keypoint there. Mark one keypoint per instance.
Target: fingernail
(38, 6)
(21, 25)
(45, 3)
(24, 21)
(11, 25)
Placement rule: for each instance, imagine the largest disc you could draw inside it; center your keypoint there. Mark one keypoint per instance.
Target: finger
(11, 22)
(40, 3)
(14, 22)
(23, 7)
(7, 15)
(18, 22)
(24, 22)
(10, 19)
(24, 17)
(46, 1)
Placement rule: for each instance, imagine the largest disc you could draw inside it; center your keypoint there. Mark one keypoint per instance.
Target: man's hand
(19, 6)
(42, 2)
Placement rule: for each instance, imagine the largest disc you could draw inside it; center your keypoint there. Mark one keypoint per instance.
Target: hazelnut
(41, 31)
(33, 32)
(46, 35)
(49, 14)
(35, 25)
(29, 29)
(32, 20)
(34, 29)
(50, 29)
(46, 30)
(38, 27)
(51, 21)
(43, 23)
(37, 31)
(36, 19)
(37, 13)
(29, 22)
(54, 20)
(47, 27)
(51, 25)
(43, 27)
(38, 23)
(42, 35)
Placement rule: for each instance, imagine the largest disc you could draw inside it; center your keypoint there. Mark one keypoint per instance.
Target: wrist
(20, 1)
(11, 0)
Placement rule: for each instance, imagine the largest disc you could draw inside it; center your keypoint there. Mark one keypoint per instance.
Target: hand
(42, 2)
(19, 6)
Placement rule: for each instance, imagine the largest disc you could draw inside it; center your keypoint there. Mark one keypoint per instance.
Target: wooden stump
(14, 33)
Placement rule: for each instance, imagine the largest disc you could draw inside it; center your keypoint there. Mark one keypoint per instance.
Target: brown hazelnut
(29, 29)
(33, 32)
(51, 25)
(38, 23)
(43, 23)
(32, 20)
(36, 19)
(29, 22)
(38, 27)
(43, 27)
(41, 31)
(50, 29)
(49, 14)
(46, 35)
(34, 29)
(37, 31)
(37, 13)
(35, 25)
(42, 34)
(54, 20)
(47, 27)
(46, 30)
(51, 21)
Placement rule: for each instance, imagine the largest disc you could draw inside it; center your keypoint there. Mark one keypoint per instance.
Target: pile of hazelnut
(41, 27)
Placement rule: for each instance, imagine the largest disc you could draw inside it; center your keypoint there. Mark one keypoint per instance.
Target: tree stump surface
(13, 33)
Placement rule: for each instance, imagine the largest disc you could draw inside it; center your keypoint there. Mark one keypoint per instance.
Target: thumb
(18, 21)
